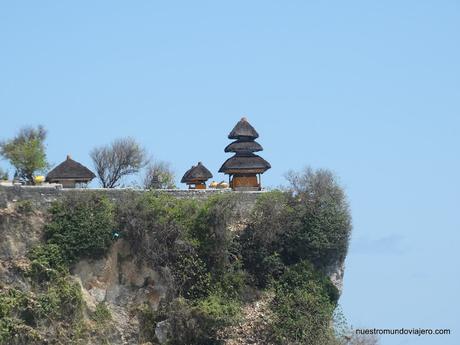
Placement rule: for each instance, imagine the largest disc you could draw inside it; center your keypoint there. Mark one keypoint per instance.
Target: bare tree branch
(122, 157)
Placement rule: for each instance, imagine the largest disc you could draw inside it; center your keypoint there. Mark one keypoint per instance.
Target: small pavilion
(70, 174)
(196, 176)
(245, 167)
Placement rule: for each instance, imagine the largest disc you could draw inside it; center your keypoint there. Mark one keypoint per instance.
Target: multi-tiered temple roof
(244, 165)
(244, 159)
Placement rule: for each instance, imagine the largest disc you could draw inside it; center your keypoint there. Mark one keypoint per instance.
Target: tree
(323, 219)
(159, 175)
(122, 157)
(26, 152)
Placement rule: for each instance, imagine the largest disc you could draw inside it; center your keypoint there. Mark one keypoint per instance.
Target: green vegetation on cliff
(287, 245)
(77, 228)
(212, 261)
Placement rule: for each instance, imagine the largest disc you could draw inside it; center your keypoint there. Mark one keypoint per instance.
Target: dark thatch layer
(197, 172)
(243, 129)
(185, 178)
(70, 169)
(243, 146)
(245, 163)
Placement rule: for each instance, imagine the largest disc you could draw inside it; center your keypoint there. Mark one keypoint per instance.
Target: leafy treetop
(26, 152)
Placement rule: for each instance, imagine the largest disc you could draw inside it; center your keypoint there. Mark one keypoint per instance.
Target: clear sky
(368, 89)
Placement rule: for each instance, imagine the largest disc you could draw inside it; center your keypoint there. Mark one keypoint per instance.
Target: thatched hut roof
(243, 146)
(196, 173)
(70, 170)
(247, 163)
(243, 129)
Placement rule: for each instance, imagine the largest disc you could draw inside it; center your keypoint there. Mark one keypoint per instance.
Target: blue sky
(368, 89)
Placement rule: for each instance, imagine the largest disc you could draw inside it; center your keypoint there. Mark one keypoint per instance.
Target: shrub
(322, 226)
(303, 276)
(61, 301)
(154, 224)
(187, 237)
(101, 314)
(183, 327)
(15, 332)
(197, 323)
(232, 283)
(47, 262)
(191, 278)
(262, 241)
(158, 228)
(213, 238)
(218, 310)
(10, 301)
(309, 221)
(24, 206)
(21, 313)
(303, 306)
(81, 226)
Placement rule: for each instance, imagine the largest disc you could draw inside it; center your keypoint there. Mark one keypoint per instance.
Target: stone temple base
(246, 189)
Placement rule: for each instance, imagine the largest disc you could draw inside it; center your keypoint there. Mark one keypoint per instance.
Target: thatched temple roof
(243, 146)
(70, 170)
(247, 163)
(196, 173)
(243, 129)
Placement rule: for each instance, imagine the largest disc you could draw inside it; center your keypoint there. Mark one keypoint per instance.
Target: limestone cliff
(123, 280)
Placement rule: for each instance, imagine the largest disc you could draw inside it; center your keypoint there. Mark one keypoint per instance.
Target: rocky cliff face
(120, 281)
(20, 230)
(123, 286)
(116, 280)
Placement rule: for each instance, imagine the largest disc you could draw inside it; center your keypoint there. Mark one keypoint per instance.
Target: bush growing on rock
(211, 234)
(263, 239)
(57, 306)
(303, 305)
(81, 226)
(47, 262)
(309, 221)
(197, 322)
(154, 224)
(322, 223)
